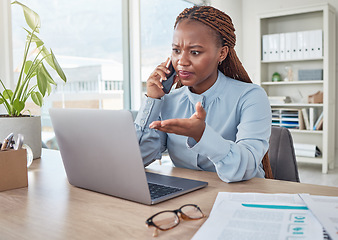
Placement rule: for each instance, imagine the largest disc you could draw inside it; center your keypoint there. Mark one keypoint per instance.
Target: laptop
(100, 152)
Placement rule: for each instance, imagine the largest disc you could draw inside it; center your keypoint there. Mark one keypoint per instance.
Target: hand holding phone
(167, 84)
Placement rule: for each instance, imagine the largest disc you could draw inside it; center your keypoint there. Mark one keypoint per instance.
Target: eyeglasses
(169, 219)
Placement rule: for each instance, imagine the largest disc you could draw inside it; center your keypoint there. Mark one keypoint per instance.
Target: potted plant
(34, 82)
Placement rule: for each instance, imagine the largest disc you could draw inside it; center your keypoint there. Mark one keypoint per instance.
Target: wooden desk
(50, 208)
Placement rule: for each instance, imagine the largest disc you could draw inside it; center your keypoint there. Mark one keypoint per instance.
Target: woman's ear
(224, 53)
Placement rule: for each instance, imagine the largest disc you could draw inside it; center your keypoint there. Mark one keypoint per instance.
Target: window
(86, 38)
(157, 26)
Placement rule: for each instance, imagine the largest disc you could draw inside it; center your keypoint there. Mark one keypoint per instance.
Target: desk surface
(50, 208)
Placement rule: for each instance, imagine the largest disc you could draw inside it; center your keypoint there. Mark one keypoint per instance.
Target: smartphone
(167, 84)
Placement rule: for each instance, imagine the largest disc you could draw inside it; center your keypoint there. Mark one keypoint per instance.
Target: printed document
(259, 216)
(325, 210)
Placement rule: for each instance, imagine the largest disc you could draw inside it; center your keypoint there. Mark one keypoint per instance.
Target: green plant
(14, 101)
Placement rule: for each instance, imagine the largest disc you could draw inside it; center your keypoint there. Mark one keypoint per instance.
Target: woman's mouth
(184, 74)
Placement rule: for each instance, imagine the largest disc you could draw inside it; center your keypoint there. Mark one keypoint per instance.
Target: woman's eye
(195, 52)
(176, 50)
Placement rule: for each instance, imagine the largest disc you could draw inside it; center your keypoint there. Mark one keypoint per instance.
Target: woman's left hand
(190, 127)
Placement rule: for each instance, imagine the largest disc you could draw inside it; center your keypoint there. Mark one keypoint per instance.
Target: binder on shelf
(273, 47)
(318, 43)
(265, 47)
(288, 49)
(282, 46)
(306, 44)
(300, 45)
(293, 40)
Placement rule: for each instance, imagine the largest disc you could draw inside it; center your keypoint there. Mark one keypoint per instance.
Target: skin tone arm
(190, 127)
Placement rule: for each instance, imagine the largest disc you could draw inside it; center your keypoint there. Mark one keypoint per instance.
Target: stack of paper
(306, 150)
(279, 99)
(267, 216)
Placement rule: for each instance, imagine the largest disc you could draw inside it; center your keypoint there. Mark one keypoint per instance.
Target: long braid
(222, 24)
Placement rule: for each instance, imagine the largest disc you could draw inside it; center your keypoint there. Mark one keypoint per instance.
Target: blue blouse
(236, 136)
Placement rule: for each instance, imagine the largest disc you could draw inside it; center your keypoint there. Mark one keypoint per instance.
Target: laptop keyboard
(157, 190)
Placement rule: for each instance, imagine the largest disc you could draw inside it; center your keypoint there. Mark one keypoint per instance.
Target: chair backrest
(282, 155)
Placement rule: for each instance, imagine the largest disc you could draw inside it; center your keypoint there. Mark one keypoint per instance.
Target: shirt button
(146, 111)
(149, 102)
(142, 121)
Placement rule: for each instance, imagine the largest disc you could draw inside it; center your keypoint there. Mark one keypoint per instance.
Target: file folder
(282, 46)
(265, 47)
(300, 45)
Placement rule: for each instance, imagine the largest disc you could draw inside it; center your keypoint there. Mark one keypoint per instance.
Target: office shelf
(312, 17)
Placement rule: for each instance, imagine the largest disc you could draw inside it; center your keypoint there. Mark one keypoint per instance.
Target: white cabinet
(302, 21)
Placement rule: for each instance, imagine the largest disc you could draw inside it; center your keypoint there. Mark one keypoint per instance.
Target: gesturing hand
(190, 127)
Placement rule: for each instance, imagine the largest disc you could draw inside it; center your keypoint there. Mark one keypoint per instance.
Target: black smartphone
(167, 84)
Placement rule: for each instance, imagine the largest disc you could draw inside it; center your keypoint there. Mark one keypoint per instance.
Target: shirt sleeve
(152, 142)
(240, 159)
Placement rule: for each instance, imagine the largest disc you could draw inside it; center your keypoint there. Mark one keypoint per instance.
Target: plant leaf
(28, 64)
(58, 68)
(46, 54)
(35, 39)
(49, 89)
(37, 98)
(18, 105)
(2, 100)
(46, 73)
(41, 80)
(7, 94)
(32, 18)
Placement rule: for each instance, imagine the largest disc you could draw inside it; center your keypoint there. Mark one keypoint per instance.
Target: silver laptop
(100, 152)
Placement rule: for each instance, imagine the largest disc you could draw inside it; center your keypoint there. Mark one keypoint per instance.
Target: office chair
(282, 155)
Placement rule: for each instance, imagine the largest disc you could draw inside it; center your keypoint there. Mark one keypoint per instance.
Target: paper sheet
(259, 216)
(325, 210)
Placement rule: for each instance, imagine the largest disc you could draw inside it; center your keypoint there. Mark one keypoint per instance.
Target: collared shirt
(236, 135)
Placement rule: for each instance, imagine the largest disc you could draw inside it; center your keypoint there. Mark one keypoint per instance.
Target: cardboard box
(316, 98)
(13, 169)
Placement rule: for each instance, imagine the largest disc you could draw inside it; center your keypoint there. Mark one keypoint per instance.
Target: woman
(218, 121)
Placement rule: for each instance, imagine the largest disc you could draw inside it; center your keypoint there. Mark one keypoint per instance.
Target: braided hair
(221, 23)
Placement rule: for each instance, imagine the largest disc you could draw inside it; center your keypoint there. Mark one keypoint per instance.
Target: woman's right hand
(154, 82)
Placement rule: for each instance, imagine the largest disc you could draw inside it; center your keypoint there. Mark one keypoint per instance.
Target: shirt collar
(209, 95)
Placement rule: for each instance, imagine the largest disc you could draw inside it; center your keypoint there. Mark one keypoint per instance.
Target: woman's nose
(183, 59)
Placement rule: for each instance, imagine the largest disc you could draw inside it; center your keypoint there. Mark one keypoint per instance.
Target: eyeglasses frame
(150, 223)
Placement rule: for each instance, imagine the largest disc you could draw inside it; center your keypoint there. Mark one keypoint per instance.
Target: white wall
(234, 9)
(248, 27)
